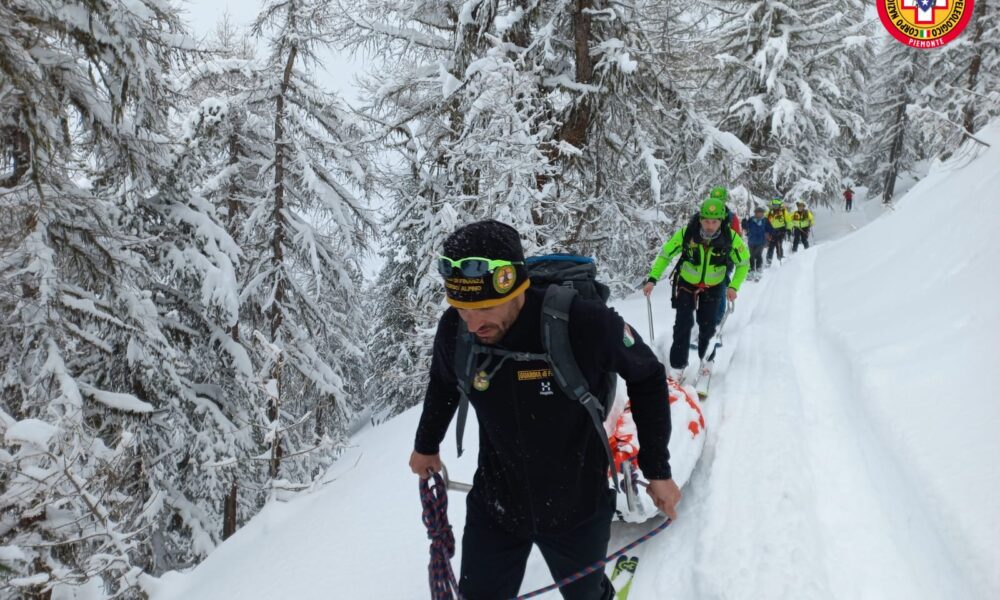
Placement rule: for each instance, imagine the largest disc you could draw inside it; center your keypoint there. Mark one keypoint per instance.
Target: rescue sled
(687, 440)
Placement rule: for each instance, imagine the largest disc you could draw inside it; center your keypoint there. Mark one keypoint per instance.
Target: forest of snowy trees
(187, 331)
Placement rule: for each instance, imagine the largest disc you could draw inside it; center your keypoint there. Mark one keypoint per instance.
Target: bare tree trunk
(318, 429)
(969, 113)
(229, 513)
(465, 180)
(278, 251)
(16, 147)
(574, 130)
(895, 152)
(233, 209)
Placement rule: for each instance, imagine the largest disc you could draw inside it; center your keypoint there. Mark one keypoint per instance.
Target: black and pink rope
(444, 585)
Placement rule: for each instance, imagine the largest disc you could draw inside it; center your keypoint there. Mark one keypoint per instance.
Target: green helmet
(777, 202)
(713, 208)
(719, 193)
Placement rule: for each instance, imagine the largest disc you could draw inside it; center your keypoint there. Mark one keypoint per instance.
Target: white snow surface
(852, 444)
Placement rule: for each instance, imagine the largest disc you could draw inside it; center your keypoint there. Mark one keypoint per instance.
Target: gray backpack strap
(555, 339)
(464, 365)
(466, 351)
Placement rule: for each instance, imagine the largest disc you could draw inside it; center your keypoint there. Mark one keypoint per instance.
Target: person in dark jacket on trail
(756, 228)
(542, 476)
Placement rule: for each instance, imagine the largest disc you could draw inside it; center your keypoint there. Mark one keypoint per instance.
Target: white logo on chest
(546, 388)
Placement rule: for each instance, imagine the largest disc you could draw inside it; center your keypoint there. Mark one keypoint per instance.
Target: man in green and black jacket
(706, 252)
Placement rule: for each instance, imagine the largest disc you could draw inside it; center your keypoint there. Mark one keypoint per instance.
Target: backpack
(564, 276)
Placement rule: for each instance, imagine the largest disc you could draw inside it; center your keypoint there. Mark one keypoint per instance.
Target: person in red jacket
(848, 198)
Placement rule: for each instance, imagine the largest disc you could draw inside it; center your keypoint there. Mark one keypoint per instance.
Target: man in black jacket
(542, 475)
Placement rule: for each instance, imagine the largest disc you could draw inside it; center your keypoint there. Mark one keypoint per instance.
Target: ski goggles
(472, 266)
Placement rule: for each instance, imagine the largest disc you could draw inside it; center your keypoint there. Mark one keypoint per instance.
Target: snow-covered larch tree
(895, 142)
(303, 240)
(93, 369)
(790, 75)
(961, 93)
(225, 141)
(551, 117)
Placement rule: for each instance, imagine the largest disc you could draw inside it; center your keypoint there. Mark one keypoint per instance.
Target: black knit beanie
(486, 239)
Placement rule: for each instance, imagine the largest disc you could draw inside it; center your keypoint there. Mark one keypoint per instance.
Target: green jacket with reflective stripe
(780, 218)
(703, 264)
(802, 219)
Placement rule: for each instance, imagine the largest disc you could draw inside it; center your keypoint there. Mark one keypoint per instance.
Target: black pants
(686, 302)
(756, 257)
(847, 208)
(800, 235)
(775, 244)
(493, 559)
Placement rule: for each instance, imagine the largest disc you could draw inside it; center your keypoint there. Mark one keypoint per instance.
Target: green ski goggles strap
(471, 266)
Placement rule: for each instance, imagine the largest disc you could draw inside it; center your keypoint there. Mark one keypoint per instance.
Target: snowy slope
(854, 432)
(855, 453)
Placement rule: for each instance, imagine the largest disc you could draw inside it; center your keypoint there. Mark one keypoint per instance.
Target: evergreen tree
(307, 232)
(896, 142)
(93, 372)
(558, 122)
(961, 94)
(697, 154)
(784, 70)
(411, 101)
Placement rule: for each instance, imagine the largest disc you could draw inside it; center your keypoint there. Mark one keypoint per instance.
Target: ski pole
(649, 312)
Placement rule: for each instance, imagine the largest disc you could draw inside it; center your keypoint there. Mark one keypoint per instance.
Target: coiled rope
(434, 498)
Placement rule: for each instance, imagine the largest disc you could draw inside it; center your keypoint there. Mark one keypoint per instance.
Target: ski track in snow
(835, 518)
(735, 548)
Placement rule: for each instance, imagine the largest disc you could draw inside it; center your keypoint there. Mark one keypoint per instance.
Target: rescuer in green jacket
(706, 253)
(780, 221)
(802, 221)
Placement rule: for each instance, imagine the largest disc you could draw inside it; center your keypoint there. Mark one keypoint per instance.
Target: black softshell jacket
(542, 467)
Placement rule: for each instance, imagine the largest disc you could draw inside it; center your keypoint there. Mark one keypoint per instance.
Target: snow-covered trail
(794, 496)
(798, 494)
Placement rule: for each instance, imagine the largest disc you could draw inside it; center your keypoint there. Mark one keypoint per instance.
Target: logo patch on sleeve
(629, 338)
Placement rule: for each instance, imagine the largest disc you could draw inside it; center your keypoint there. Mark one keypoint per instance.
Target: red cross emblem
(925, 11)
